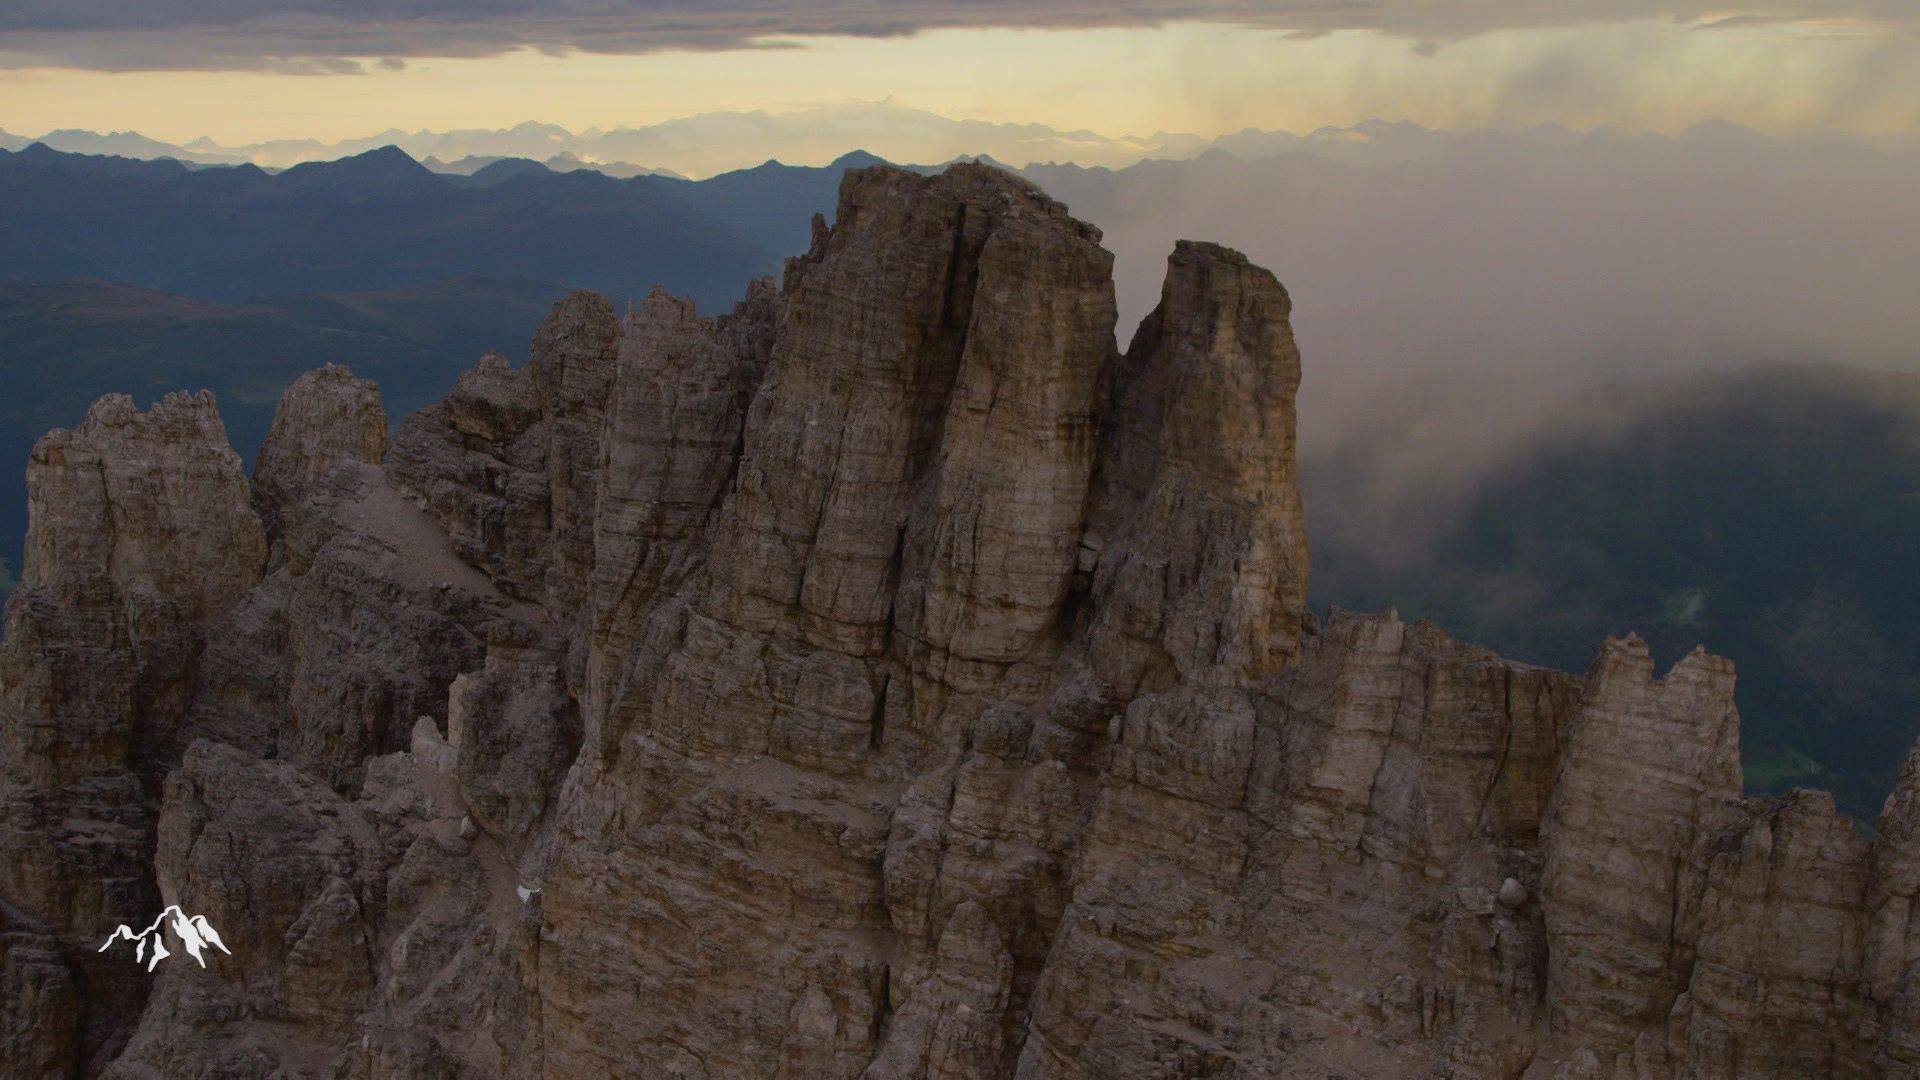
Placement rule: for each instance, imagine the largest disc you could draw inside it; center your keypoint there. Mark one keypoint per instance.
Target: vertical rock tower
(888, 678)
(884, 593)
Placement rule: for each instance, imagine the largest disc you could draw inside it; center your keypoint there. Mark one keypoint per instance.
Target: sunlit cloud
(1109, 69)
(289, 35)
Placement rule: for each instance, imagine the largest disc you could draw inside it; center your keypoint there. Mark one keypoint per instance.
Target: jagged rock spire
(886, 678)
(326, 418)
(1200, 539)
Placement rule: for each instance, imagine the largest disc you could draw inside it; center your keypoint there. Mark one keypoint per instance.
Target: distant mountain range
(717, 142)
(565, 161)
(143, 276)
(380, 220)
(701, 145)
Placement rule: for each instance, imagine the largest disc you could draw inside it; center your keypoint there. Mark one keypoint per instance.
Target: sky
(243, 71)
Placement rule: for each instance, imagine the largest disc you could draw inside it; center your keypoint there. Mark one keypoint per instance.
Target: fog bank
(1449, 298)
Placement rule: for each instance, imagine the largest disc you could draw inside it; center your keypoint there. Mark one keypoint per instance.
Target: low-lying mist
(1559, 386)
(1449, 299)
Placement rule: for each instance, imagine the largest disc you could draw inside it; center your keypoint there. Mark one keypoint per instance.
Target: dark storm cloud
(317, 36)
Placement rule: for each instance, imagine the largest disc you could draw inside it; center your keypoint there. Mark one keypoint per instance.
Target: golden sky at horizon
(1200, 78)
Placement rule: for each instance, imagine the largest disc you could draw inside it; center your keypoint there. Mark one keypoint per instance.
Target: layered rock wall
(142, 533)
(887, 678)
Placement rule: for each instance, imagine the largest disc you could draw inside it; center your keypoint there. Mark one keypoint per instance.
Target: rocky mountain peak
(144, 500)
(325, 419)
(1200, 512)
(888, 677)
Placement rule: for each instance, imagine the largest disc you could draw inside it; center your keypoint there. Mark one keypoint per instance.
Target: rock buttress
(894, 548)
(142, 530)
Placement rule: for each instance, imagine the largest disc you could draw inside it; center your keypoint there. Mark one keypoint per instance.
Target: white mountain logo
(194, 932)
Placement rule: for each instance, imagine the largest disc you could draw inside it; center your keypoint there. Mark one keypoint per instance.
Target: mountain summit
(385, 171)
(888, 678)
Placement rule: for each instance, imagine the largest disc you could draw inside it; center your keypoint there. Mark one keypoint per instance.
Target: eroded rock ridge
(889, 678)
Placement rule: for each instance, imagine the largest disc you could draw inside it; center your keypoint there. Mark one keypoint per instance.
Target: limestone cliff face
(1200, 536)
(327, 418)
(887, 678)
(142, 531)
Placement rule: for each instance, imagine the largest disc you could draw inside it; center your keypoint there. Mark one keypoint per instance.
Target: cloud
(318, 36)
(1453, 296)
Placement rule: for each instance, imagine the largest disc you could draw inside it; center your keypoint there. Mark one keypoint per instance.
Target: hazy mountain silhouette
(711, 143)
(565, 161)
(700, 145)
(377, 220)
(768, 205)
(126, 144)
(495, 171)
